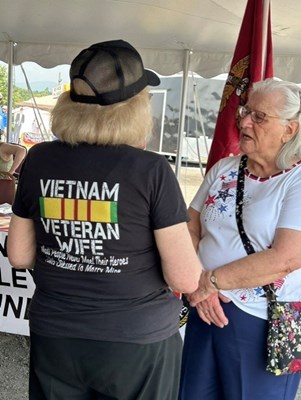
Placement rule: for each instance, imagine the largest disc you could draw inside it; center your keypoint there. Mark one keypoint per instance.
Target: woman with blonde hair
(103, 224)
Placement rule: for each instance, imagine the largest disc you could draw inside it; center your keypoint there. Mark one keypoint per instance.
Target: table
(16, 289)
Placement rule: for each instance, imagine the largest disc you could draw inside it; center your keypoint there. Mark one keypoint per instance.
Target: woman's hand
(204, 290)
(211, 311)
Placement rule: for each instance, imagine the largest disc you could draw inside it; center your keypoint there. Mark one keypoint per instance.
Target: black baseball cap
(113, 70)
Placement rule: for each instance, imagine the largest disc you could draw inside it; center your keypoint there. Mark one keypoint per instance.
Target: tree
(19, 94)
(3, 83)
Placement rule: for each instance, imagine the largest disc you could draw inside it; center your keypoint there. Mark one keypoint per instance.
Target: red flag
(247, 66)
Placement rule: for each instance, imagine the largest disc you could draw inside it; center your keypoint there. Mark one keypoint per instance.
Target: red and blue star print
(219, 203)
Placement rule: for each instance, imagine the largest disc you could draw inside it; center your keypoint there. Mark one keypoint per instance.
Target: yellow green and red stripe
(78, 209)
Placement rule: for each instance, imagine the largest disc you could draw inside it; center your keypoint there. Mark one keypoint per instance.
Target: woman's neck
(262, 168)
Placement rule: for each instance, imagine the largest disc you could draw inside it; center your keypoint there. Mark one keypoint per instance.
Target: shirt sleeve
(167, 203)
(290, 216)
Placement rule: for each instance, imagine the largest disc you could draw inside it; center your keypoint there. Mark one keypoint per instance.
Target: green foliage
(3, 83)
(19, 94)
(45, 92)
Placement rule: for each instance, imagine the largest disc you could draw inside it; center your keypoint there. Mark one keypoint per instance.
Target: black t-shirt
(98, 271)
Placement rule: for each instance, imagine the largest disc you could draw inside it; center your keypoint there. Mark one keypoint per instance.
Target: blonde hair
(128, 122)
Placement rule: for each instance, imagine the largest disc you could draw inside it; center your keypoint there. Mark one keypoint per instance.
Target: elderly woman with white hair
(225, 349)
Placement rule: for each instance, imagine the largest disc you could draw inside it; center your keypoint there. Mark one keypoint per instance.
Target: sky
(36, 73)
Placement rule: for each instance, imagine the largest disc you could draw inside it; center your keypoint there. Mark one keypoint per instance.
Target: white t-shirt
(269, 203)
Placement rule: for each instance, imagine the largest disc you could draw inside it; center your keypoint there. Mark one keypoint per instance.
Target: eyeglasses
(256, 116)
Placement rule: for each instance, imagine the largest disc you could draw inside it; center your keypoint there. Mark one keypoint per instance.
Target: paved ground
(14, 349)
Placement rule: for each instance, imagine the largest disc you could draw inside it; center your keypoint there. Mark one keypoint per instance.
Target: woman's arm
(256, 269)
(194, 226)
(180, 264)
(209, 309)
(21, 243)
(18, 153)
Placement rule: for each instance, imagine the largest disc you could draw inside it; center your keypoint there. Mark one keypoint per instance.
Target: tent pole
(182, 113)
(10, 91)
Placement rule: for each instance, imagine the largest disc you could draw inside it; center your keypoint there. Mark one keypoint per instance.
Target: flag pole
(265, 18)
(252, 61)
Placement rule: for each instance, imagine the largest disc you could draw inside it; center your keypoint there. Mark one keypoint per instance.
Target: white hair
(289, 109)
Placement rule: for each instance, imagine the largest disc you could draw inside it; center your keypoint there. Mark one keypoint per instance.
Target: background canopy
(52, 32)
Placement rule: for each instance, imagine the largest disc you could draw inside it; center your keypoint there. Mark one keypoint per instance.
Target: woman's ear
(292, 128)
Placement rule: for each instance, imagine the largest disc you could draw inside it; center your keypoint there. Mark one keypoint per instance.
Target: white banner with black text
(16, 290)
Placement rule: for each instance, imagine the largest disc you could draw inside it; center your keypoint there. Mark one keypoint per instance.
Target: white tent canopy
(52, 32)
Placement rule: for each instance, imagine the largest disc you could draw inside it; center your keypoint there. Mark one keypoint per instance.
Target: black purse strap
(239, 204)
(269, 289)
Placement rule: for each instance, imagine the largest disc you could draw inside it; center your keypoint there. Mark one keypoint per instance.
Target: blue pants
(229, 363)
